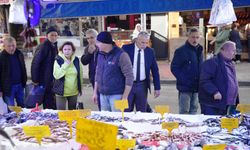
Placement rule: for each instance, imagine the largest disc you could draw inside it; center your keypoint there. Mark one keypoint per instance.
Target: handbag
(34, 94)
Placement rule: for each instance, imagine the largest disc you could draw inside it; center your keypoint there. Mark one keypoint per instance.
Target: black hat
(51, 29)
(105, 37)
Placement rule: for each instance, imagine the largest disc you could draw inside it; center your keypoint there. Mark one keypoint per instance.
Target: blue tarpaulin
(117, 7)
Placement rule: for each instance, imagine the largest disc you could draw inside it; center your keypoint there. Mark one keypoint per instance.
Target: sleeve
(59, 71)
(97, 69)
(207, 76)
(223, 36)
(155, 73)
(86, 57)
(126, 68)
(0, 73)
(177, 64)
(81, 74)
(40, 55)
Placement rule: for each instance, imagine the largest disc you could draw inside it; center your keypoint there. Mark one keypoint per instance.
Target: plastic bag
(34, 94)
(16, 14)
(222, 13)
(3, 106)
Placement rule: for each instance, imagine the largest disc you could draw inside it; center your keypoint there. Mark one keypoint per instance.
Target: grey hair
(9, 39)
(92, 31)
(192, 30)
(226, 44)
(144, 34)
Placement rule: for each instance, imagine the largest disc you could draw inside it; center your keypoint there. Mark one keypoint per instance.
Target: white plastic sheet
(3, 107)
(16, 14)
(222, 13)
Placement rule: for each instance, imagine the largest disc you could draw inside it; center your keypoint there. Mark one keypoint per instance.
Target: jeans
(17, 92)
(108, 102)
(61, 102)
(188, 103)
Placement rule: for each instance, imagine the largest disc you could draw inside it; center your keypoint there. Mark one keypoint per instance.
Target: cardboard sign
(16, 109)
(83, 113)
(96, 135)
(243, 108)
(170, 126)
(125, 144)
(37, 131)
(214, 147)
(229, 123)
(121, 105)
(162, 109)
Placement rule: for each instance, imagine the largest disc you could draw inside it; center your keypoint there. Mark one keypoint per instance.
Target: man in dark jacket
(114, 73)
(42, 67)
(144, 62)
(218, 90)
(90, 57)
(13, 76)
(186, 68)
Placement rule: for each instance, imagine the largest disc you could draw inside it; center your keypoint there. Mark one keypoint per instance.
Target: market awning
(5, 2)
(116, 7)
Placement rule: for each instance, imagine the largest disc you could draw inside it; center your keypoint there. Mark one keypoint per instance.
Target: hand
(91, 49)
(157, 93)
(35, 83)
(217, 96)
(94, 98)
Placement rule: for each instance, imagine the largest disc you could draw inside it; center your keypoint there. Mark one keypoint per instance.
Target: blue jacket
(150, 64)
(109, 76)
(186, 67)
(213, 79)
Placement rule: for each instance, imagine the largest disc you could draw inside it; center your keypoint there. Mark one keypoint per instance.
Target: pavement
(242, 70)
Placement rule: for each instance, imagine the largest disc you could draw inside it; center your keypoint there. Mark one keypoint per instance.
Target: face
(230, 52)
(52, 37)
(194, 38)
(67, 51)
(101, 46)
(138, 28)
(10, 47)
(91, 39)
(142, 42)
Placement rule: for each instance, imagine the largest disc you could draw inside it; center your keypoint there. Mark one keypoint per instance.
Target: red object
(150, 143)
(36, 109)
(84, 147)
(42, 39)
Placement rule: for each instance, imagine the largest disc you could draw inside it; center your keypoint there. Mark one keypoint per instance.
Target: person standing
(13, 75)
(144, 61)
(114, 73)
(247, 31)
(186, 69)
(90, 58)
(218, 90)
(68, 77)
(235, 37)
(42, 67)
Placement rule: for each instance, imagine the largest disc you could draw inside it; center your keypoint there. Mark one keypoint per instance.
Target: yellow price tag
(162, 109)
(37, 131)
(243, 108)
(69, 116)
(214, 147)
(83, 113)
(121, 105)
(229, 123)
(96, 135)
(170, 126)
(125, 144)
(16, 109)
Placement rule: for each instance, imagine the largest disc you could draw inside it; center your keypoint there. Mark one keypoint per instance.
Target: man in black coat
(13, 76)
(42, 67)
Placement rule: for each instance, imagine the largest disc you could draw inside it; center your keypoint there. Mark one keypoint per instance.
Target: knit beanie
(105, 37)
(51, 29)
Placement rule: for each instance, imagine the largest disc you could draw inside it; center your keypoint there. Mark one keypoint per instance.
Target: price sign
(125, 144)
(170, 126)
(37, 131)
(96, 135)
(214, 147)
(83, 113)
(121, 105)
(229, 123)
(16, 109)
(243, 108)
(162, 109)
(69, 116)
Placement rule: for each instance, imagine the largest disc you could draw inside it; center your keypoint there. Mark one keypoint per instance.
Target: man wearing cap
(218, 89)
(114, 74)
(144, 62)
(42, 67)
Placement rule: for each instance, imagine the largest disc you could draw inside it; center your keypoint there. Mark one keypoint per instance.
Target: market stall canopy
(67, 8)
(5, 2)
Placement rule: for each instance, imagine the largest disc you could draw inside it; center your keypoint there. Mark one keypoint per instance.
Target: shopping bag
(16, 13)
(34, 94)
(3, 107)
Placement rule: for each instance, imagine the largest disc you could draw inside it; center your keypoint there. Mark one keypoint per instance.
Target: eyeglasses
(90, 37)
